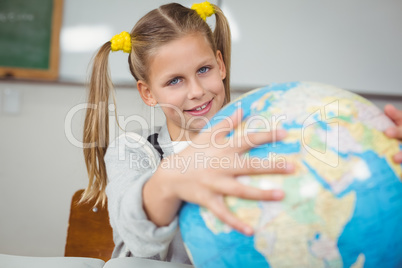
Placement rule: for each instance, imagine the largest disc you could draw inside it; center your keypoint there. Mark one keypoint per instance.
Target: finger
(393, 113)
(221, 211)
(215, 134)
(227, 123)
(244, 165)
(251, 140)
(257, 166)
(235, 188)
(398, 158)
(394, 132)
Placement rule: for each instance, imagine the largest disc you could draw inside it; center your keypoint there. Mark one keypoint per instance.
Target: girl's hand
(394, 132)
(206, 184)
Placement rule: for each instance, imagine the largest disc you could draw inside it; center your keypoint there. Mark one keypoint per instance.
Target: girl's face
(185, 79)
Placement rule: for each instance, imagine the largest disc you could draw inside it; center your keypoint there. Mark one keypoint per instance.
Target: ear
(145, 93)
(221, 64)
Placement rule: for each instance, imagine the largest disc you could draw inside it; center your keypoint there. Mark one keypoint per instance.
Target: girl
(180, 64)
(183, 66)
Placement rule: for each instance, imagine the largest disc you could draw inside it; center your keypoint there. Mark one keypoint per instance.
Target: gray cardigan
(130, 162)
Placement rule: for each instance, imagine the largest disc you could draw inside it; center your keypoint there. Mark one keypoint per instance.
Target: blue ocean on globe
(343, 204)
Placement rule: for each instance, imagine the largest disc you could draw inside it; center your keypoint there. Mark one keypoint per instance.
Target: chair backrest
(89, 232)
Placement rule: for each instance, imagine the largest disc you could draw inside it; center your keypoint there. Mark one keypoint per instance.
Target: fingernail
(389, 106)
(391, 132)
(278, 194)
(281, 133)
(398, 158)
(248, 230)
(290, 167)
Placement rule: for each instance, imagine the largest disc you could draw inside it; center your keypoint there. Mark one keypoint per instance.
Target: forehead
(189, 41)
(179, 55)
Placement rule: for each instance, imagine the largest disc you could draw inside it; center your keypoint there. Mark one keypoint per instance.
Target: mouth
(200, 109)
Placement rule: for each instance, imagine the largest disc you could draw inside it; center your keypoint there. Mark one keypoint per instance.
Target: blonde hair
(158, 27)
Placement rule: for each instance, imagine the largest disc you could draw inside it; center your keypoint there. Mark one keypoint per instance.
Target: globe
(343, 204)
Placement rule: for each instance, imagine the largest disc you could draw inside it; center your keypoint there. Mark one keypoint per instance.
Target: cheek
(172, 110)
(216, 86)
(170, 98)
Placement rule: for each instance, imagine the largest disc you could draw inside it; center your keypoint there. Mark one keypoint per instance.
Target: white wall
(352, 44)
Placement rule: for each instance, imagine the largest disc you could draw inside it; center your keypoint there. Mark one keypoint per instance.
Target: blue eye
(203, 70)
(174, 81)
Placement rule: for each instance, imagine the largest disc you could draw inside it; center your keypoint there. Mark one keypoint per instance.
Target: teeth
(201, 108)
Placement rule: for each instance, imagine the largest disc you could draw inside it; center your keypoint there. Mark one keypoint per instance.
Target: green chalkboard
(29, 33)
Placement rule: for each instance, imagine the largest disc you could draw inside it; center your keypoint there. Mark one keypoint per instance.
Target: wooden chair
(89, 232)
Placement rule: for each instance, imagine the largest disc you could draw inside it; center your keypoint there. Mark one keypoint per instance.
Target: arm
(207, 186)
(127, 170)
(394, 132)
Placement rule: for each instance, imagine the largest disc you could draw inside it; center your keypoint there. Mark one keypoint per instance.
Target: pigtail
(96, 127)
(223, 43)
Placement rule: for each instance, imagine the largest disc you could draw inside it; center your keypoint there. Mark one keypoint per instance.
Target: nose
(196, 90)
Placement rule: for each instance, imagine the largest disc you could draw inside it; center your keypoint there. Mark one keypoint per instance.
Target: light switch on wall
(11, 101)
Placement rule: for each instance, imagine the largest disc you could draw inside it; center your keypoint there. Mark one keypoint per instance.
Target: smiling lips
(200, 110)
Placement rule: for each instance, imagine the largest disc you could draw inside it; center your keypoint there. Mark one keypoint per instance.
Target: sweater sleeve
(130, 162)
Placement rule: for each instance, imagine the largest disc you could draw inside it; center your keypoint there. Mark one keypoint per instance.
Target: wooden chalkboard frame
(52, 72)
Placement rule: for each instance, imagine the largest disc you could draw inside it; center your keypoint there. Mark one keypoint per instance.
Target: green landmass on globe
(343, 204)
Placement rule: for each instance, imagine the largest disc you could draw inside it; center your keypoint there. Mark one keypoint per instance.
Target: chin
(198, 126)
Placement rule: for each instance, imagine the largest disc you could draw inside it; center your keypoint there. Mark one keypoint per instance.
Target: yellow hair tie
(204, 9)
(121, 41)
